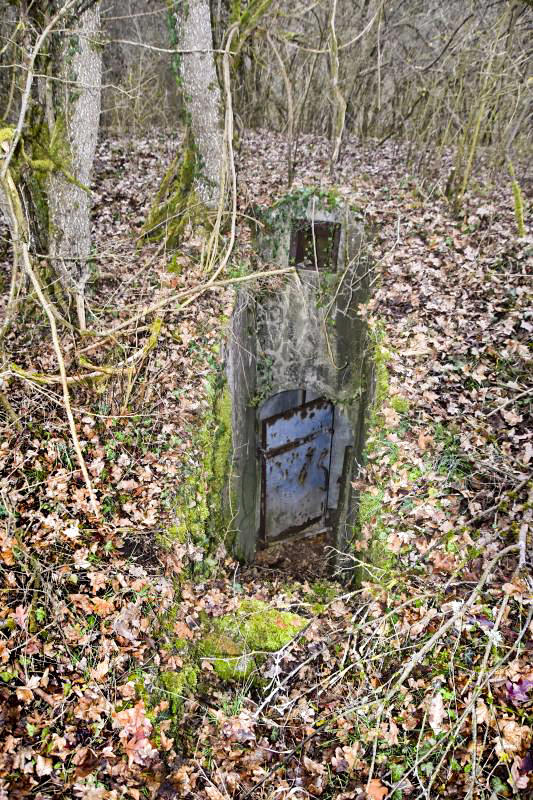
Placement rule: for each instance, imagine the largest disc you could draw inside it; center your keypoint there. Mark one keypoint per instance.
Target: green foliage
(294, 205)
(451, 460)
(323, 591)
(247, 20)
(370, 505)
(172, 27)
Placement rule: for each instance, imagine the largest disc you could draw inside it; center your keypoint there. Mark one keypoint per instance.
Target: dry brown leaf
(100, 671)
(482, 712)
(43, 766)
(436, 713)
(183, 630)
(213, 793)
(313, 766)
(375, 790)
(423, 440)
(512, 737)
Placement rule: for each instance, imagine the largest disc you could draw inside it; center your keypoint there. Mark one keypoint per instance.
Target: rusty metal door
(295, 453)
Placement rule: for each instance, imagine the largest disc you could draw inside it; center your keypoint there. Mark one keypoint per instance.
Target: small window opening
(322, 237)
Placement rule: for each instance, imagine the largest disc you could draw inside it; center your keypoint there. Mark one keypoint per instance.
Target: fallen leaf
(375, 790)
(213, 793)
(100, 671)
(182, 630)
(436, 713)
(43, 766)
(423, 440)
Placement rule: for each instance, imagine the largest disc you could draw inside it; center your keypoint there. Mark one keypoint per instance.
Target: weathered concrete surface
(241, 375)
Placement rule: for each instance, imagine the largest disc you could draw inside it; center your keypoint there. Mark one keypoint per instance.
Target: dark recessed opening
(315, 245)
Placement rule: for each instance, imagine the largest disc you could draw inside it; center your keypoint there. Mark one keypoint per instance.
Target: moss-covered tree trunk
(201, 94)
(73, 113)
(190, 191)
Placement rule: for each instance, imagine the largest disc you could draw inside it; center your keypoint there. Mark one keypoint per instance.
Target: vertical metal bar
(263, 532)
(330, 454)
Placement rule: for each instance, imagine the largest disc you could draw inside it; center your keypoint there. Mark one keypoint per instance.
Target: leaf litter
(418, 685)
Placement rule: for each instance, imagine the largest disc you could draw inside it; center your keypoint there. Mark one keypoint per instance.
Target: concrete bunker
(299, 378)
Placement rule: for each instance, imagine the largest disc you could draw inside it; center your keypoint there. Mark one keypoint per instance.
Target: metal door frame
(264, 455)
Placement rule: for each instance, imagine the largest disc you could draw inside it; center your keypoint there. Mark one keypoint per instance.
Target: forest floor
(418, 685)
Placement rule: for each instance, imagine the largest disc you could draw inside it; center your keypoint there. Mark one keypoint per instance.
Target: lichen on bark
(73, 110)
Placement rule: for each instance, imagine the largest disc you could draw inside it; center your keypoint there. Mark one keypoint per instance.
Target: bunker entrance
(301, 456)
(300, 348)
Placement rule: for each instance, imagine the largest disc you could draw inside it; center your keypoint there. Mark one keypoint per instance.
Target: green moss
(227, 657)
(518, 203)
(264, 628)
(400, 403)
(322, 592)
(177, 685)
(371, 503)
(203, 506)
(6, 134)
(381, 358)
(176, 203)
(237, 642)
(177, 533)
(222, 452)
(39, 153)
(191, 509)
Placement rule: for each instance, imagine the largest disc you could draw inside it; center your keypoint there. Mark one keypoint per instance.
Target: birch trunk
(73, 112)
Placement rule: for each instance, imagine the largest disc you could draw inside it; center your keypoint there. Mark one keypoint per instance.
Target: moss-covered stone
(227, 657)
(203, 506)
(237, 642)
(370, 503)
(221, 503)
(274, 220)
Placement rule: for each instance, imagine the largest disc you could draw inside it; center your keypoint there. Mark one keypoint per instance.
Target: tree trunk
(73, 112)
(201, 94)
(190, 191)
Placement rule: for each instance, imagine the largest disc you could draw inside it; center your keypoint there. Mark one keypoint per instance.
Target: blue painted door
(296, 449)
